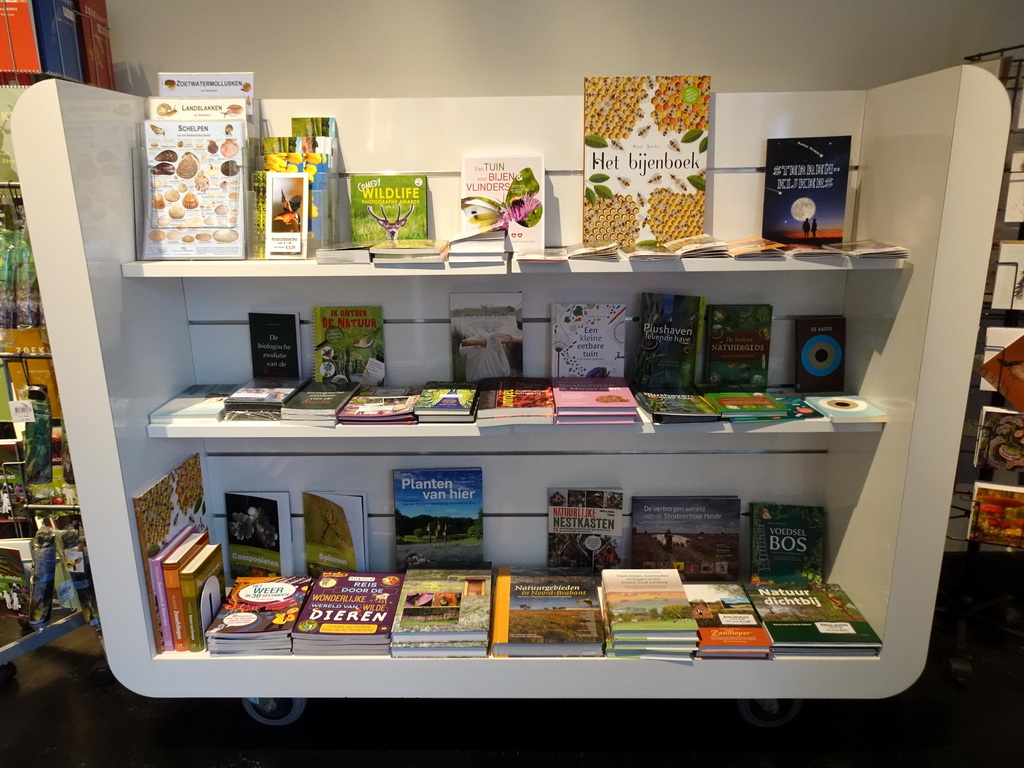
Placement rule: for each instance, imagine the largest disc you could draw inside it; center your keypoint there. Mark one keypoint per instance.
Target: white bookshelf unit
(127, 335)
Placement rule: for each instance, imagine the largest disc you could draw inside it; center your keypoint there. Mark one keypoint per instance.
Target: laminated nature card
(505, 192)
(644, 158)
(286, 223)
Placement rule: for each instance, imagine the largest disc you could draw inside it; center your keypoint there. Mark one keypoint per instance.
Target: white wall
(397, 48)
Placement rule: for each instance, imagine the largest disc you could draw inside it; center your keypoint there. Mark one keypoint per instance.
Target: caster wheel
(960, 668)
(769, 713)
(7, 673)
(274, 711)
(101, 675)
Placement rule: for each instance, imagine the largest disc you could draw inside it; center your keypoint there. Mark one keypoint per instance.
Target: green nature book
(787, 542)
(811, 615)
(348, 344)
(202, 592)
(334, 532)
(388, 207)
(739, 339)
(671, 328)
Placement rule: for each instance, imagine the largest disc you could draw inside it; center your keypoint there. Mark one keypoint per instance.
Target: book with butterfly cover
(504, 192)
(348, 344)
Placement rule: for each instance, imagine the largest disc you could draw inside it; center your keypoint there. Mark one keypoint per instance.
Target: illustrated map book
(671, 329)
(504, 192)
(588, 340)
(645, 144)
(805, 183)
(348, 344)
(347, 610)
(259, 531)
(727, 624)
(388, 207)
(439, 517)
(258, 616)
(787, 542)
(547, 612)
(444, 605)
(487, 335)
(699, 536)
(812, 619)
(585, 528)
(738, 346)
(334, 525)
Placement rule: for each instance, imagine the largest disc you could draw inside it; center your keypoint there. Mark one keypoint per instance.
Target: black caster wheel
(7, 673)
(769, 713)
(101, 675)
(274, 711)
(960, 669)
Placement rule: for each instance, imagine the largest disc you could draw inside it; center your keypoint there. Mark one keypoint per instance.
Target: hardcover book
(259, 534)
(317, 402)
(699, 536)
(787, 542)
(388, 207)
(258, 616)
(444, 605)
(547, 612)
(585, 528)
(588, 340)
(334, 526)
(727, 624)
(348, 344)
(515, 400)
(647, 604)
(677, 407)
(820, 354)
(417, 251)
(593, 401)
(274, 341)
(487, 335)
(173, 565)
(381, 405)
(805, 189)
(202, 593)
(447, 401)
(262, 394)
(738, 405)
(997, 515)
(439, 517)
(671, 330)
(195, 172)
(200, 401)
(739, 340)
(346, 609)
(846, 408)
(812, 619)
(502, 192)
(645, 155)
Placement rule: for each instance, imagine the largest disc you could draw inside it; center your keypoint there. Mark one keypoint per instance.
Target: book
(318, 402)
(504, 193)
(787, 542)
(381, 405)
(334, 531)
(56, 23)
(739, 342)
(588, 340)
(727, 624)
(446, 401)
(585, 528)
(156, 579)
(258, 616)
(14, 584)
(200, 401)
(652, 252)
(699, 536)
(486, 246)
(1003, 371)
(600, 250)
(486, 334)
(194, 206)
(999, 444)
(593, 400)
(348, 252)
(172, 567)
(263, 394)
(1008, 285)
(19, 51)
(648, 606)
(702, 246)
(820, 354)
(997, 515)
(796, 408)
(812, 620)
(541, 256)
(174, 501)
(515, 400)
(444, 605)
(348, 343)
(684, 407)
(869, 249)
(846, 408)
(259, 529)
(348, 612)
(547, 612)
(997, 339)
(202, 593)
(671, 330)
(807, 251)
(274, 341)
(409, 251)
(388, 207)
(645, 156)
(439, 517)
(733, 405)
(805, 183)
(755, 248)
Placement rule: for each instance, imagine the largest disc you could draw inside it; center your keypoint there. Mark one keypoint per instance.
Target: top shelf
(310, 268)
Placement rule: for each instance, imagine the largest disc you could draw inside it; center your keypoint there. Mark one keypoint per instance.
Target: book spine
(502, 596)
(156, 572)
(193, 619)
(176, 610)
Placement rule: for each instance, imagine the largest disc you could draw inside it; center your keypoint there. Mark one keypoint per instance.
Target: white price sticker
(21, 412)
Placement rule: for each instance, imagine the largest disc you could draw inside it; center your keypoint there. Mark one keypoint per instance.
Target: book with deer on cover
(585, 528)
(699, 536)
(805, 189)
(439, 517)
(388, 207)
(645, 154)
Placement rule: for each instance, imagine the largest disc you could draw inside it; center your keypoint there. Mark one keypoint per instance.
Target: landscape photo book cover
(439, 517)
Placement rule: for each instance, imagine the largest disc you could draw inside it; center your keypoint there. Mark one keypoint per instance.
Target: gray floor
(54, 712)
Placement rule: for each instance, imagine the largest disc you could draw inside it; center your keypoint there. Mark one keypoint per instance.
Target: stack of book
(318, 402)
(446, 401)
(754, 248)
(260, 399)
(699, 247)
(480, 247)
(198, 402)
(606, 400)
(515, 400)
(606, 251)
(810, 619)
(345, 253)
(870, 249)
(728, 627)
(348, 614)
(746, 405)
(541, 256)
(648, 614)
(258, 617)
(547, 612)
(381, 405)
(649, 252)
(684, 407)
(412, 251)
(443, 613)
